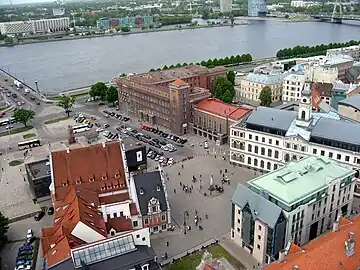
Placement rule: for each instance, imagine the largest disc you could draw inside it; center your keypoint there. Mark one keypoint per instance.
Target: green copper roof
(300, 179)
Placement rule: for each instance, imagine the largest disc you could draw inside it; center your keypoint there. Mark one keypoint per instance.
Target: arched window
(303, 113)
(268, 166)
(286, 157)
(256, 149)
(249, 160)
(262, 164)
(249, 147)
(255, 162)
(242, 146)
(275, 166)
(242, 158)
(294, 157)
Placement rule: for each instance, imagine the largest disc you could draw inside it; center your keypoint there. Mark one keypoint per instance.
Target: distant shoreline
(126, 33)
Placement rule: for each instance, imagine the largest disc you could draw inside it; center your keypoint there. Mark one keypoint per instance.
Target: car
(151, 143)
(150, 154)
(162, 142)
(25, 252)
(156, 140)
(5, 79)
(39, 215)
(51, 210)
(164, 147)
(112, 113)
(90, 125)
(99, 130)
(101, 103)
(157, 157)
(171, 161)
(206, 146)
(29, 234)
(134, 131)
(157, 145)
(161, 159)
(9, 126)
(125, 119)
(106, 133)
(97, 124)
(146, 137)
(143, 127)
(106, 125)
(105, 111)
(153, 156)
(93, 118)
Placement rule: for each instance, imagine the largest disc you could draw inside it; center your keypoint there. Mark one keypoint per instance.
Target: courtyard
(213, 210)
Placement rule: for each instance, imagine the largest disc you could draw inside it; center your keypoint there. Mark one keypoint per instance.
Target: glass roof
(103, 250)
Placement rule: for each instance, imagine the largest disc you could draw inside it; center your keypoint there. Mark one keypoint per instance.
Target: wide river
(62, 65)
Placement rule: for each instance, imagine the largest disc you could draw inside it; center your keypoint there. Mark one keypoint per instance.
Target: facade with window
(257, 225)
(269, 138)
(152, 200)
(293, 84)
(312, 192)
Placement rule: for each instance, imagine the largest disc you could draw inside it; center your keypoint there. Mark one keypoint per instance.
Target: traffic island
(15, 131)
(16, 162)
(56, 120)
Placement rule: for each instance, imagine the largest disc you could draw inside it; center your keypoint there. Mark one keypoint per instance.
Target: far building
(293, 84)
(39, 177)
(257, 8)
(350, 108)
(321, 92)
(225, 6)
(353, 74)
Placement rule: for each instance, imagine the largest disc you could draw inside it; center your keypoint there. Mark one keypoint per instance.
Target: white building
(35, 26)
(269, 137)
(293, 84)
(353, 51)
(225, 6)
(301, 3)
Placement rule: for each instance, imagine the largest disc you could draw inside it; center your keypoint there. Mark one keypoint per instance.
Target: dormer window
(78, 182)
(141, 191)
(116, 186)
(109, 187)
(104, 176)
(91, 178)
(117, 174)
(65, 184)
(158, 188)
(103, 188)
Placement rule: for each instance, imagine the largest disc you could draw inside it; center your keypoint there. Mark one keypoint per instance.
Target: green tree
(265, 96)
(178, 65)
(4, 227)
(66, 102)
(165, 67)
(112, 95)
(152, 70)
(125, 29)
(9, 40)
(203, 63)
(98, 90)
(238, 59)
(230, 76)
(223, 89)
(209, 62)
(24, 116)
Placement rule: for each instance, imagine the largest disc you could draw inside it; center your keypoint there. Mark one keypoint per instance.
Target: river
(62, 65)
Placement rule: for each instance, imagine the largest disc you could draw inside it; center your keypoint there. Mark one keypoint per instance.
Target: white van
(27, 90)
(206, 146)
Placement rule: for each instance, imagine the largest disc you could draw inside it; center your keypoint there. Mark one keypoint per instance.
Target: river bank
(154, 30)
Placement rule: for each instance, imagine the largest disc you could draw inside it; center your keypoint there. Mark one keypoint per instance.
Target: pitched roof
(87, 167)
(295, 181)
(271, 117)
(217, 107)
(265, 78)
(149, 185)
(353, 101)
(353, 73)
(179, 83)
(323, 89)
(332, 129)
(114, 198)
(324, 252)
(266, 211)
(119, 224)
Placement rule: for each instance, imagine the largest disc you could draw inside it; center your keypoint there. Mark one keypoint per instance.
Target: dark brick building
(166, 97)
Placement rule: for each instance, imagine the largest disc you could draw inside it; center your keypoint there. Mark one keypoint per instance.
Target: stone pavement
(217, 206)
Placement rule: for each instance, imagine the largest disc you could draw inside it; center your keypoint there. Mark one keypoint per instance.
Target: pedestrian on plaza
(225, 170)
(206, 216)
(220, 171)
(200, 175)
(174, 191)
(179, 173)
(182, 166)
(166, 255)
(180, 184)
(229, 182)
(24, 179)
(167, 243)
(196, 213)
(2, 169)
(192, 187)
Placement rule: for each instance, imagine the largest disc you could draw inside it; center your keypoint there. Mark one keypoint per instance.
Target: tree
(231, 77)
(23, 116)
(98, 90)
(9, 40)
(224, 89)
(112, 95)
(125, 29)
(66, 102)
(265, 96)
(4, 226)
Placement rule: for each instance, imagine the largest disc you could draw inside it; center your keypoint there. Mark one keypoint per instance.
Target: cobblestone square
(217, 206)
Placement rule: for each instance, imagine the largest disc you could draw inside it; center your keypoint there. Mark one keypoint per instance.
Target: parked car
(106, 125)
(39, 215)
(51, 210)
(206, 146)
(29, 234)
(26, 247)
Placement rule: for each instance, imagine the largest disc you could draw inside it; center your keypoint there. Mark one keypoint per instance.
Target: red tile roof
(114, 198)
(98, 168)
(325, 252)
(217, 107)
(133, 210)
(179, 82)
(119, 224)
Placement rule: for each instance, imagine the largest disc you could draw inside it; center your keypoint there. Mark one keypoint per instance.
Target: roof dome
(307, 90)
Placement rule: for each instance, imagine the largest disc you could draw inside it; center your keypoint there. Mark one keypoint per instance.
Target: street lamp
(185, 212)
(37, 86)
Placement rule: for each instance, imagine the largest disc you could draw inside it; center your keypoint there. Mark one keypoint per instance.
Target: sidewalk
(239, 253)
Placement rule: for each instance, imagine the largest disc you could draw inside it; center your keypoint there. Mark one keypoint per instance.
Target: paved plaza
(217, 206)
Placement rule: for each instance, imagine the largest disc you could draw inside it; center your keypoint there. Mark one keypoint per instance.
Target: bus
(29, 143)
(80, 127)
(81, 130)
(5, 122)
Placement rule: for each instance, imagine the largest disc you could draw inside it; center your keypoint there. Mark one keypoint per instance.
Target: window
(256, 149)
(258, 246)
(259, 237)
(268, 166)
(146, 221)
(314, 151)
(143, 239)
(249, 160)
(295, 147)
(249, 148)
(145, 267)
(262, 164)
(347, 158)
(154, 208)
(259, 227)
(330, 155)
(338, 156)
(269, 152)
(112, 233)
(262, 151)
(163, 227)
(276, 154)
(115, 215)
(108, 216)
(163, 217)
(250, 137)
(256, 138)
(156, 228)
(263, 139)
(238, 230)
(322, 153)
(270, 141)
(138, 236)
(277, 142)
(288, 145)
(238, 220)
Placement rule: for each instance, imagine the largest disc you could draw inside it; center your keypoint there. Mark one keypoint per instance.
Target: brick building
(212, 119)
(166, 97)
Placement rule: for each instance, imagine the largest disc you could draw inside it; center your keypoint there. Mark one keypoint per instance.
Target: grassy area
(5, 107)
(52, 121)
(29, 135)
(192, 261)
(15, 130)
(16, 162)
(74, 96)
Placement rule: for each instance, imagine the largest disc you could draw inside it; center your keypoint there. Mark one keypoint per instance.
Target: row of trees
(170, 20)
(224, 87)
(307, 51)
(109, 94)
(211, 63)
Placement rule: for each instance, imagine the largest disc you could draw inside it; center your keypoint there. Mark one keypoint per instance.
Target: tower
(305, 107)
(337, 4)
(71, 136)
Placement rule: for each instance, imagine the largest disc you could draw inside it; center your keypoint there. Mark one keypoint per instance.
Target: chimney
(103, 144)
(282, 254)
(296, 267)
(67, 150)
